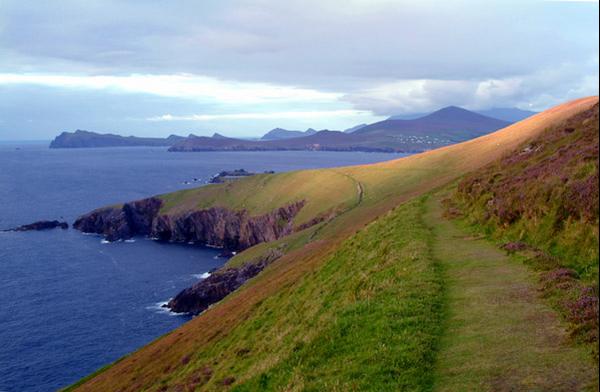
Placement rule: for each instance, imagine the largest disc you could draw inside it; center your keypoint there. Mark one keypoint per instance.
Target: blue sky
(243, 67)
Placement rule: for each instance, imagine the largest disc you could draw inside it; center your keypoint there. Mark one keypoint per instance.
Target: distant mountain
(84, 139)
(450, 123)
(280, 134)
(443, 127)
(507, 114)
(355, 128)
(217, 135)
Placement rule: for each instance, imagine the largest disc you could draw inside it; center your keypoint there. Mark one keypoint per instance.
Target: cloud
(536, 91)
(300, 115)
(311, 43)
(178, 86)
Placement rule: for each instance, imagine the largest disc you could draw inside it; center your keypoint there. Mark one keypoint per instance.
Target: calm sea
(69, 303)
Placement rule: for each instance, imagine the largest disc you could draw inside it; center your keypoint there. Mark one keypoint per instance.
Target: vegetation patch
(541, 204)
(545, 194)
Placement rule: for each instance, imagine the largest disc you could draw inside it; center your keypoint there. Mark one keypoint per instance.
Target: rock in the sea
(42, 225)
(218, 285)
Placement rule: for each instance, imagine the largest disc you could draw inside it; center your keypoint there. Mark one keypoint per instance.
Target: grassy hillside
(319, 316)
(546, 194)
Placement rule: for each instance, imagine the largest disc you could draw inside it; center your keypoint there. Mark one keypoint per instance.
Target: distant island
(87, 139)
(443, 127)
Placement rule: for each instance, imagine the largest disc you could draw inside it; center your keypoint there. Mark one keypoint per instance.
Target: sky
(240, 68)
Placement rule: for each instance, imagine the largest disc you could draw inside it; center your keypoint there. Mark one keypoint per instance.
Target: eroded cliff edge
(215, 226)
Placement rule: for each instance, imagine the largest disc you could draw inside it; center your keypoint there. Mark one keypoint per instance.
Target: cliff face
(120, 223)
(204, 293)
(216, 226)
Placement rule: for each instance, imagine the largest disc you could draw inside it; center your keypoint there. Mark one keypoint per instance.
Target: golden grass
(323, 190)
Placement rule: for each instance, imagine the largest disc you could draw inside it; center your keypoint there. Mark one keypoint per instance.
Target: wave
(160, 309)
(201, 276)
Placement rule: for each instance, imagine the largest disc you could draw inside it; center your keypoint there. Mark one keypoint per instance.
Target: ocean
(71, 303)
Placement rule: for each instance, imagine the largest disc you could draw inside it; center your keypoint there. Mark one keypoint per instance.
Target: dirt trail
(500, 335)
(360, 194)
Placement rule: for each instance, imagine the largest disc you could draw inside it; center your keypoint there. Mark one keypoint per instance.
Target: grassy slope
(384, 185)
(376, 306)
(500, 335)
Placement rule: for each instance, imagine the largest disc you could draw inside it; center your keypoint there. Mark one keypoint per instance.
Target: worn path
(500, 335)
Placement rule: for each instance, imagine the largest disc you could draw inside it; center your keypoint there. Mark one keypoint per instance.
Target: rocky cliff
(215, 226)
(122, 222)
(201, 295)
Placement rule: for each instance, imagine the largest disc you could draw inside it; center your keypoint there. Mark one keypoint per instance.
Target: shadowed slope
(213, 345)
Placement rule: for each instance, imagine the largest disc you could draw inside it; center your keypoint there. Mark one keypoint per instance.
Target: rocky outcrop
(42, 225)
(200, 296)
(123, 222)
(216, 226)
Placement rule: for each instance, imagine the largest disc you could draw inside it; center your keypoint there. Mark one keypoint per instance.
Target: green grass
(382, 297)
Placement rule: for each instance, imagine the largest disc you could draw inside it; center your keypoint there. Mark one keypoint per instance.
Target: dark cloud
(316, 43)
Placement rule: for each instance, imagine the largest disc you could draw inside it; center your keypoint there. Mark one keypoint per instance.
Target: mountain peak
(217, 135)
(453, 113)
